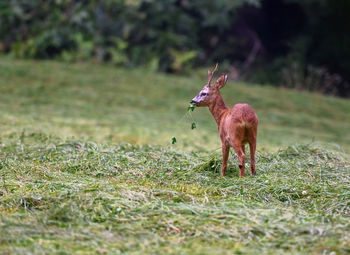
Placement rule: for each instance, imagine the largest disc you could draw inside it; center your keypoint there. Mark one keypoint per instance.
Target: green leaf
(173, 140)
(193, 125)
(191, 107)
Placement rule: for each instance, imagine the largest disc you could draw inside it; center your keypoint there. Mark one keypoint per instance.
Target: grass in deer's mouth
(190, 109)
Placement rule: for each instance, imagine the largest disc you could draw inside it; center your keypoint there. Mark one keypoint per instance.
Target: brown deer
(237, 126)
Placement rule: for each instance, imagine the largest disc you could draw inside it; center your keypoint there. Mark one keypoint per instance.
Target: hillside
(108, 104)
(87, 167)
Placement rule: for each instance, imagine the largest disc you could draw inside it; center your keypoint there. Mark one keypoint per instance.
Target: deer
(237, 126)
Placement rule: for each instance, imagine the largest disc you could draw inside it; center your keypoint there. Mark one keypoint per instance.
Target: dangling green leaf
(173, 140)
(193, 125)
(191, 107)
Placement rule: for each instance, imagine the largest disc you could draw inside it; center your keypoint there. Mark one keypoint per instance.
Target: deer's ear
(221, 81)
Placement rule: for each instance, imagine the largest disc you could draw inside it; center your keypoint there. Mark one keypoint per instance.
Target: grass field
(87, 167)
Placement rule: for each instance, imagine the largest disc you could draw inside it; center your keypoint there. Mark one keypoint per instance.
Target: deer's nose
(193, 102)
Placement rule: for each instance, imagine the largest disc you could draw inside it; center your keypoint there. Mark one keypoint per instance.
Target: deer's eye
(204, 94)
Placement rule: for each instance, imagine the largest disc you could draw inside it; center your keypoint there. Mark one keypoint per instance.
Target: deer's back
(243, 113)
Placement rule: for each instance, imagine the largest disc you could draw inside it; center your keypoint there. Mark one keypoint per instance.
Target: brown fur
(237, 126)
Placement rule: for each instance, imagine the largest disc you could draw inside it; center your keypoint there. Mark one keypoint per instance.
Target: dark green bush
(260, 40)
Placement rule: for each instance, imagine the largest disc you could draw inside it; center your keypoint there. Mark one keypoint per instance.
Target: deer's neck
(218, 108)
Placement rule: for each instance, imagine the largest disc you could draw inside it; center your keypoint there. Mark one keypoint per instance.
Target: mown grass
(87, 167)
(73, 196)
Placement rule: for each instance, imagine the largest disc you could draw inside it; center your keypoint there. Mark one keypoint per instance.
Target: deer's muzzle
(194, 102)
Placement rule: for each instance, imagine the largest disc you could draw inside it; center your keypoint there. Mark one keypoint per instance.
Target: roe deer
(237, 126)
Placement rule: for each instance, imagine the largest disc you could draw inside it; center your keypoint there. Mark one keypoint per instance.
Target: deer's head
(208, 94)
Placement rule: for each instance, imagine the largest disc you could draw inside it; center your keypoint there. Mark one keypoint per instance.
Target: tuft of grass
(67, 196)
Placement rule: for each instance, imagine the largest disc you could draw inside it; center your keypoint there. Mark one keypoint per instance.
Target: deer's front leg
(225, 153)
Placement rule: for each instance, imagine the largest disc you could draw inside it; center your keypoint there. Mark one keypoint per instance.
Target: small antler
(211, 74)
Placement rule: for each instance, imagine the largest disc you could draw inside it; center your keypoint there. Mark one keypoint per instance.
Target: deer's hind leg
(252, 148)
(225, 153)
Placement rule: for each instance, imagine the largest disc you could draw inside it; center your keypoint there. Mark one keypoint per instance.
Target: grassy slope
(94, 195)
(109, 104)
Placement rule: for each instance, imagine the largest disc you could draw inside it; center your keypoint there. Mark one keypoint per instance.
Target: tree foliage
(262, 40)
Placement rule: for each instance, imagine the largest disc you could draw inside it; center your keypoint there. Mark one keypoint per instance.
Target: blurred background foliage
(303, 44)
